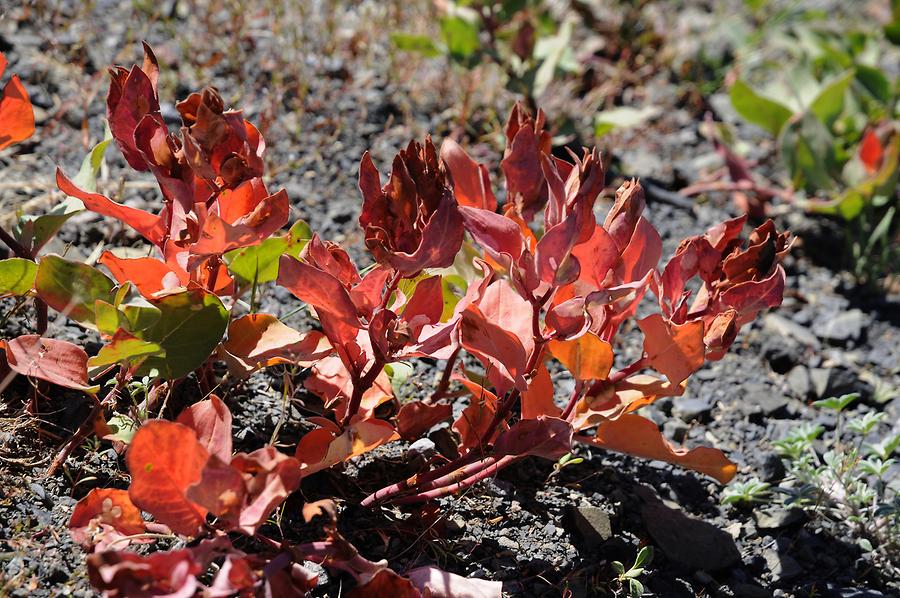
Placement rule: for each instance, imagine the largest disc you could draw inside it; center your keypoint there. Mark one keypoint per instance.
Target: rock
(423, 448)
(591, 523)
(782, 566)
(782, 353)
(818, 377)
(777, 518)
(690, 542)
(770, 401)
(507, 543)
(846, 326)
(799, 383)
(675, 429)
(749, 590)
(772, 469)
(693, 408)
(456, 525)
(774, 323)
(444, 443)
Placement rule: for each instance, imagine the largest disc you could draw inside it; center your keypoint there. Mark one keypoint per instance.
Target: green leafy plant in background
(521, 37)
(626, 582)
(834, 113)
(845, 479)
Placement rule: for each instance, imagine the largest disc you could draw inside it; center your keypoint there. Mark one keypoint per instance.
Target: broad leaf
(587, 357)
(54, 361)
(72, 288)
(758, 109)
(190, 325)
(635, 435)
(164, 460)
(16, 276)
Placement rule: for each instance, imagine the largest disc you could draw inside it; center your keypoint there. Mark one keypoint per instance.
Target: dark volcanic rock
(692, 543)
(591, 523)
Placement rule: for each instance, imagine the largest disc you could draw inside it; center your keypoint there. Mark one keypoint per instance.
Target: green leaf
(461, 37)
(644, 556)
(122, 427)
(892, 32)
(90, 166)
(757, 109)
(623, 118)
(190, 326)
(874, 82)
(259, 263)
(554, 48)
(807, 150)
(420, 44)
(139, 314)
(837, 403)
(34, 231)
(72, 288)
(128, 351)
(107, 317)
(16, 276)
(829, 104)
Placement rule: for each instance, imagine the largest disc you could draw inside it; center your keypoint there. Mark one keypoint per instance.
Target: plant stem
(444, 384)
(87, 426)
(455, 487)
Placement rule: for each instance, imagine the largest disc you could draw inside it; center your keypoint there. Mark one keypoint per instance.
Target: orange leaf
(148, 274)
(320, 449)
(262, 340)
(639, 436)
(165, 459)
(538, 399)
(16, 114)
(416, 418)
(107, 506)
(587, 357)
(676, 350)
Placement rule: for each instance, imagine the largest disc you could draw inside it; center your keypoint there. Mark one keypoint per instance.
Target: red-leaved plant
(541, 280)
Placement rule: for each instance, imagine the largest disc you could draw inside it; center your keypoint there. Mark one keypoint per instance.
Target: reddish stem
(573, 400)
(455, 487)
(444, 384)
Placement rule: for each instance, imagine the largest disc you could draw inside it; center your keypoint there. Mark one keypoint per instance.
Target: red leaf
(596, 257)
(220, 489)
(642, 253)
(676, 350)
(499, 350)
(623, 216)
(870, 151)
(495, 233)
(320, 449)
(471, 183)
(55, 361)
(104, 507)
(437, 583)
(546, 437)
(218, 236)
(147, 225)
(748, 298)
(271, 476)
(555, 262)
(148, 274)
(473, 422)
(416, 418)
(210, 419)
(131, 96)
(385, 583)
(16, 114)
(164, 460)
(503, 306)
(638, 436)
